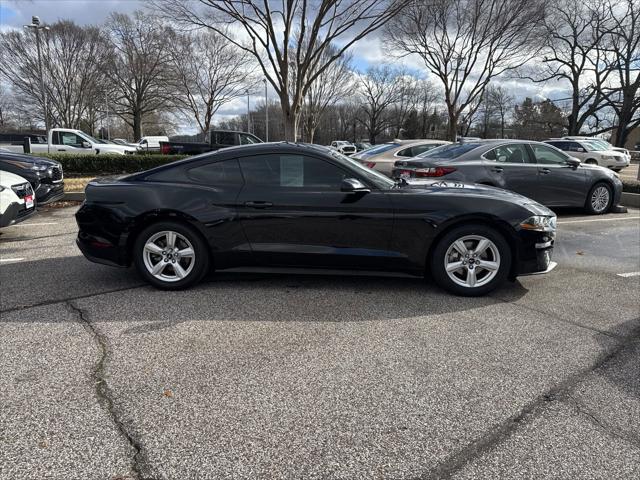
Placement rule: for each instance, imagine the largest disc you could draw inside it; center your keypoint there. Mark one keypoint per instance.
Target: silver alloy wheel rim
(472, 261)
(169, 256)
(600, 199)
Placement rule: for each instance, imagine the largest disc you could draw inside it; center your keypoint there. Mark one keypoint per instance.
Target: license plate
(28, 201)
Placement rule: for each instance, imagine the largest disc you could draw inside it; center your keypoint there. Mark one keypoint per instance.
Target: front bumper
(535, 253)
(15, 213)
(49, 192)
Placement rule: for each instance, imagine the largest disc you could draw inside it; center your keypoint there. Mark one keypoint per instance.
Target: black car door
(559, 184)
(510, 166)
(293, 213)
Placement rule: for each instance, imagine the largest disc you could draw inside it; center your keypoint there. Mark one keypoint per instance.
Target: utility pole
(266, 111)
(106, 104)
(35, 24)
(248, 114)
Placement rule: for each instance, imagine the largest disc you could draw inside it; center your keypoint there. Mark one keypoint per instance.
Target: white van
(151, 143)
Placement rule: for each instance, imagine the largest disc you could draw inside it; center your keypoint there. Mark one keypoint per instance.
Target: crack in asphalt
(583, 410)
(69, 299)
(560, 392)
(139, 463)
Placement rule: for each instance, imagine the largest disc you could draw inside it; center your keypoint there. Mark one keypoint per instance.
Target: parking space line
(8, 260)
(630, 274)
(34, 224)
(597, 220)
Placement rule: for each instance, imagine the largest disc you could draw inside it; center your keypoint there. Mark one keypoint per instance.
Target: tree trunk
(452, 129)
(137, 125)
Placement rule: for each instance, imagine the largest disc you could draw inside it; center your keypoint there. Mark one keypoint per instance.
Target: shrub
(631, 186)
(109, 164)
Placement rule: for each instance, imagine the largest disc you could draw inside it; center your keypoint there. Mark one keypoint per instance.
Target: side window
(548, 156)
(512, 153)
(573, 147)
(225, 138)
(407, 152)
(291, 171)
(55, 138)
(217, 173)
(70, 138)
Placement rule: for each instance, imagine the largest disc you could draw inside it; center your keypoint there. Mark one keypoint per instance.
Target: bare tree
(288, 35)
(572, 37)
(332, 85)
(466, 43)
(502, 103)
(406, 100)
(378, 92)
(139, 67)
(72, 66)
(209, 72)
(622, 57)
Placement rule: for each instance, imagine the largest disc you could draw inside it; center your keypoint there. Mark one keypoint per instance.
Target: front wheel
(471, 260)
(170, 255)
(599, 199)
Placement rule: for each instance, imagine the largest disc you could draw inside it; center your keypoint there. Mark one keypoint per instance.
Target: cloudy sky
(369, 51)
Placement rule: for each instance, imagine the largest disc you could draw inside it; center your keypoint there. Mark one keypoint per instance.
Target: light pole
(266, 111)
(106, 104)
(248, 114)
(35, 24)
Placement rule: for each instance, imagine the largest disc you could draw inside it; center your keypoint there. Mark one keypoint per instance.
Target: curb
(73, 197)
(630, 199)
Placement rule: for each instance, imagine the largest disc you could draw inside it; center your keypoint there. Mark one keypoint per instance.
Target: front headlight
(39, 168)
(540, 223)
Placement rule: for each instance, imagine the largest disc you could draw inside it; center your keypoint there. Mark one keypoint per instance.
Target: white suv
(604, 143)
(17, 200)
(592, 152)
(344, 147)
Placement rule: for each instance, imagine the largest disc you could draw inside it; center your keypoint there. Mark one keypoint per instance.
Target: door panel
(560, 185)
(510, 167)
(293, 213)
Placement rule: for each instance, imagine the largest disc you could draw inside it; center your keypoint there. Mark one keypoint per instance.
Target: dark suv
(45, 176)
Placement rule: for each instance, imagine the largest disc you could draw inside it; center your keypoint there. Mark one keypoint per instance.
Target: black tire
(591, 161)
(439, 253)
(589, 203)
(200, 256)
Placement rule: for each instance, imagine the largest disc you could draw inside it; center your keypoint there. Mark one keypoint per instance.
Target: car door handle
(258, 204)
(497, 169)
(62, 149)
(545, 170)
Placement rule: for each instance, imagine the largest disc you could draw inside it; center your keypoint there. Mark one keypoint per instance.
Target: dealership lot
(263, 375)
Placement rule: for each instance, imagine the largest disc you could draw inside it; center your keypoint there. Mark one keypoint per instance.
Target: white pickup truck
(66, 140)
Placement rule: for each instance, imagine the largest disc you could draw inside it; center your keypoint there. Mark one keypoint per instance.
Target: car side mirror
(580, 149)
(573, 162)
(353, 185)
(86, 145)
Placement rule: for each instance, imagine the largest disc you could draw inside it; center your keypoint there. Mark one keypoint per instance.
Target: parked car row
(534, 169)
(27, 181)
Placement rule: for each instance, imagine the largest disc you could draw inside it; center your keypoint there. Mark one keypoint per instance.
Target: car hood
(7, 179)
(115, 148)
(26, 161)
(429, 186)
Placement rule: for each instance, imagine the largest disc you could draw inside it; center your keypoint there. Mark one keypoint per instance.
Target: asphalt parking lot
(258, 375)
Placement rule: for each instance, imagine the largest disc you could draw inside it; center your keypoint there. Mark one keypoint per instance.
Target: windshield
(380, 148)
(378, 179)
(89, 137)
(593, 146)
(449, 151)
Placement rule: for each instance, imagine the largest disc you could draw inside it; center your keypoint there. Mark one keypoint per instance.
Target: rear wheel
(471, 260)
(170, 255)
(599, 199)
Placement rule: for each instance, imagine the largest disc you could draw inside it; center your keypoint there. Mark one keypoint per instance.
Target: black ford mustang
(283, 204)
